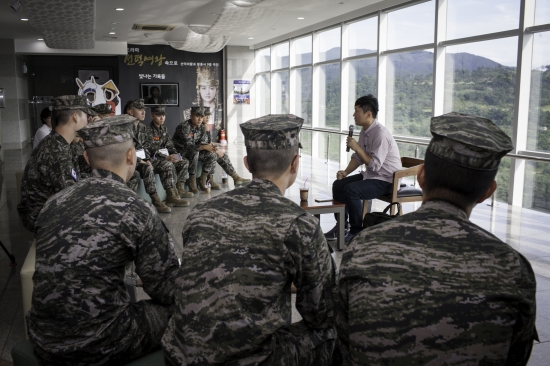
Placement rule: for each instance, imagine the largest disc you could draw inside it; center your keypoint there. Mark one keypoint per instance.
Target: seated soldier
(187, 140)
(165, 158)
(81, 312)
(144, 167)
(222, 158)
(77, 146)
(431, 287)
(51, 167)
(232, 297)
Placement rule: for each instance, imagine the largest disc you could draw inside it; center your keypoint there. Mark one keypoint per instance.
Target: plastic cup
(304, 193)
(207, 190)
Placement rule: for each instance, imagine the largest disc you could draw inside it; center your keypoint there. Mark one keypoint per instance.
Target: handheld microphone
(351, 128)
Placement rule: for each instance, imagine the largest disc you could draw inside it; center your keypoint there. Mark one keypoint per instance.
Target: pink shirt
(379, 144)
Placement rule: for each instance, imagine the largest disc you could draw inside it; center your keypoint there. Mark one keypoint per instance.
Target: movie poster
(241, 91)
(162, 75)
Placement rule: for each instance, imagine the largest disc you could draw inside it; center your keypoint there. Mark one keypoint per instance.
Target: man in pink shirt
(378, 151)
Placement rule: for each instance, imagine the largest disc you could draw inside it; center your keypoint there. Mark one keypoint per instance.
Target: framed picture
(163, 94)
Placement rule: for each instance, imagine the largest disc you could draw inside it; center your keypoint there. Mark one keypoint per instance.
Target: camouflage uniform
(81, 312)
(51, 167)
(146, 171)
(77, 149)
(232, 298)
(431, 287)
(187, 140)
(224, 161)
(160, 139)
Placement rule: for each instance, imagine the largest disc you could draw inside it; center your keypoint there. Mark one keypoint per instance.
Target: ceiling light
(119, 9)
(250, 37)
(15, 5)
(113, 28)
(24, 19)
(112, 33)
(115, 22)
(301, 18)
(40, 39)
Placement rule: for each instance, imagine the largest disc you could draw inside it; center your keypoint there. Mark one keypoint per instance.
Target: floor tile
(540, 354)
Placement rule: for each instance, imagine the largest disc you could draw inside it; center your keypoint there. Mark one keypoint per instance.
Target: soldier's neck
(67, 132)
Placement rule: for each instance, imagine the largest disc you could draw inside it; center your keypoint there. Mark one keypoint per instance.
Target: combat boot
(213, 184)
(182, 192)
(159, 205)
(173, 199)
(192, 184)
(202, 181)
(239, 181)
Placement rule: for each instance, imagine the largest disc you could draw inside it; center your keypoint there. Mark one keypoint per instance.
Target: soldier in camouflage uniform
(171, 170)
(431, 287)
(144, 166)
(188, 142)
(103, 110)
(81, 312)
(232, 297)
(222, 158)
(51, 167)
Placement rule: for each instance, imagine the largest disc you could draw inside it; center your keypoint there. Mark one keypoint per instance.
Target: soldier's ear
(131, 156)
(245, 160)
(420, 177)
(489, 192)
(86, 157)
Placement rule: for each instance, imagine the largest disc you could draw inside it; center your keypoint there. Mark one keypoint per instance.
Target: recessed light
(250, 37)
(301, 18)
(115, 23)
(24, 19)
(119, 9)
(113, 28)
(40, 39)
(112, 33)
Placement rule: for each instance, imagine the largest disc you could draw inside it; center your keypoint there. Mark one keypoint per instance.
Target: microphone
(351, 128)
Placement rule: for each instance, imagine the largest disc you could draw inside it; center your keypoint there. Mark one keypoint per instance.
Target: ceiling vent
(154, 27)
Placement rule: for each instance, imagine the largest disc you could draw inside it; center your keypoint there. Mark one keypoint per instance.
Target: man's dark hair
(127, 106)
(368, 103)
(270, 163)
(109, 155)
(45, 114)
(153, 88)
(59, 118)
(458, 184)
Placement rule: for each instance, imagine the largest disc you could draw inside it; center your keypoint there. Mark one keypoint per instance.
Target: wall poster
(241, 91)
(178, 79)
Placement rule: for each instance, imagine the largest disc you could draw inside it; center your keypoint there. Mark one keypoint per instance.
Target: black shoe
(349, 236)
(332, 234)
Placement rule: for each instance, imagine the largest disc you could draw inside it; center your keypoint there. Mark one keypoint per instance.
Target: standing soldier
(431, 287)
(222, 158)
(165, 157)
(51, 167)
(187, 140)
(81, 312)
(136, 109)
(232, 296)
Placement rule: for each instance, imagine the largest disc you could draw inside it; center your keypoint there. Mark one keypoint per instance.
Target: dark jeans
(352, 190)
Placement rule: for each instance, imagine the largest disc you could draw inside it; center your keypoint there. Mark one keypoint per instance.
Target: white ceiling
(282, 19)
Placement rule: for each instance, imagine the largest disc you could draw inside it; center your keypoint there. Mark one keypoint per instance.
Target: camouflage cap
(159, 110)
(108, 131)
(69, 102)
(207, 111)
(272, 132)
(138, 103)
(198, 111)
(102, 108)
(469, 141)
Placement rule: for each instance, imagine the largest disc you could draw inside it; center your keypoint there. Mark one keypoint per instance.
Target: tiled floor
(525, 230)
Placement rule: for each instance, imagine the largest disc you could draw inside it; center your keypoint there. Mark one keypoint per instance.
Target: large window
(422, 59)
(409, 93)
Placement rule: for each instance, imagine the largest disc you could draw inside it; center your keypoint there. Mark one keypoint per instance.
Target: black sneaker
(349, 236)
(332, 234)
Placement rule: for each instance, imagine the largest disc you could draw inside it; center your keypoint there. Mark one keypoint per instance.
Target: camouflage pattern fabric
(187, 140)
(108, 131)
(81, 312)
(77, 149)
(432, 288)
(133, 183)
(137, 103)
(159, 138)
(103, 108)
(159, 110)
(272, 132)
(224, 161)
(166, 171)
(241, 252)
(49, 170)
(147, 173)
(469, 141)
(73, 102)
(141, 139)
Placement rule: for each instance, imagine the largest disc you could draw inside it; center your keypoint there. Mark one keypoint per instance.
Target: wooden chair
(405, 194)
